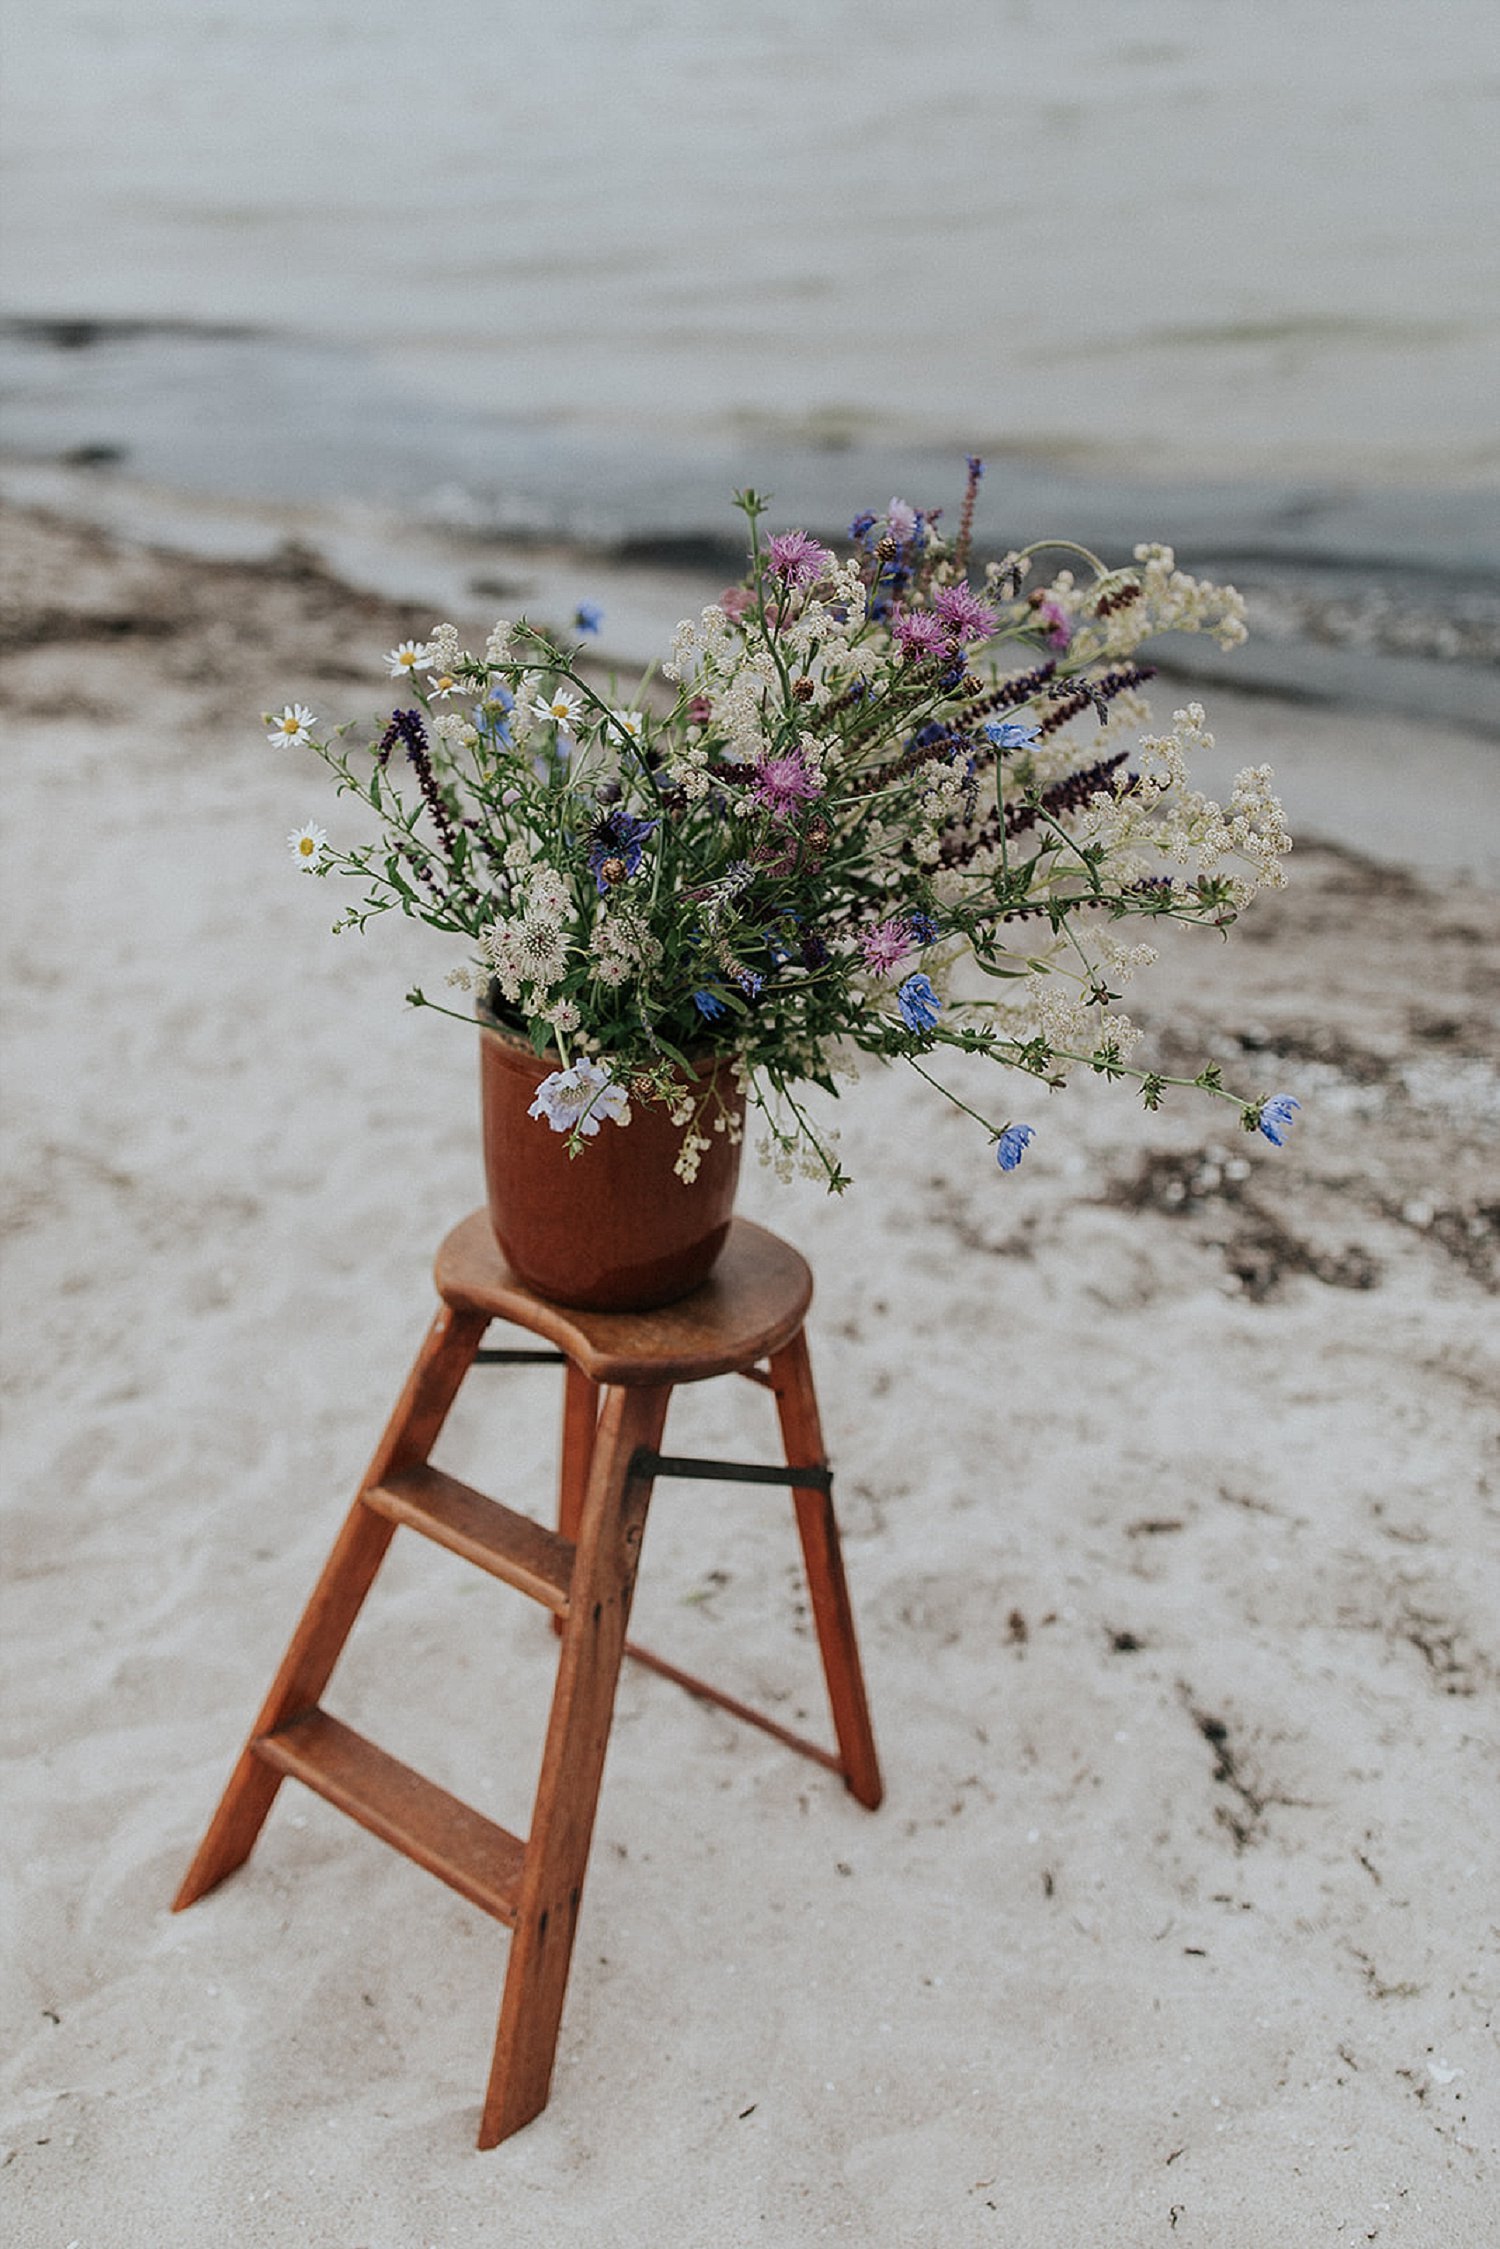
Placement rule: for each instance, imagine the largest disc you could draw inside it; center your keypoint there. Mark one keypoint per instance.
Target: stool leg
(833, 1613)
(580, 1422)
(337, 1598)
(562, 1824)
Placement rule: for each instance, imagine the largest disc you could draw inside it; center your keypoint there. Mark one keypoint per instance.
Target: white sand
(1170, 1506)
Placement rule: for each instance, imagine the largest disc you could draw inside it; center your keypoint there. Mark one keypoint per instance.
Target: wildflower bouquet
(856, 775)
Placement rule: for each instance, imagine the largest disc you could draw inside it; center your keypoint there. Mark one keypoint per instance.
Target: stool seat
(754, 1301)
(619, 1372)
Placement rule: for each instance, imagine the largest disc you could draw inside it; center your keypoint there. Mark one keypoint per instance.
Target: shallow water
(1136, 238)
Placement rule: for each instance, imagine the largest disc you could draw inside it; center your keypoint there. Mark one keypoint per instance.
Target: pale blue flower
(709, 1005)
(919, 1004)
(1275, 1119)
(1012, 1145)
(1013, 733)
(588, 617)
(578, 1100)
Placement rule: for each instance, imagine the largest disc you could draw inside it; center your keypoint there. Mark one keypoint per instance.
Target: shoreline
(1331, 623)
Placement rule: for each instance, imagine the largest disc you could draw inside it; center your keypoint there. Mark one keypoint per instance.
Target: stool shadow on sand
(620, 1371)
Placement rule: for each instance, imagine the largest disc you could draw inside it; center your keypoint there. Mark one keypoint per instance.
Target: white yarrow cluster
(1158, 811)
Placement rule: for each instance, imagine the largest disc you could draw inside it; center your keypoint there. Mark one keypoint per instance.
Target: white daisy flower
(307, 846)
(440, 684)
(631, 723)
(292, 726)
(408, 658)
(560, 707)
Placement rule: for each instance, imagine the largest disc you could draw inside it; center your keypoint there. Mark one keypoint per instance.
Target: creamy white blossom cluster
(1063, 1011)
(1110, 616)
(622, 945)
(1158, 812)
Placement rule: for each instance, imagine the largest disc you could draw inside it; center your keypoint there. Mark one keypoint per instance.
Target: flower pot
(612, 1229)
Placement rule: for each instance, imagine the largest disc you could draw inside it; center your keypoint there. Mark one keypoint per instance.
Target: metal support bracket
(652, 1464)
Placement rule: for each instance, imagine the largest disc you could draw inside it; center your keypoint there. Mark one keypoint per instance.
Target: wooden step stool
(621, 1372)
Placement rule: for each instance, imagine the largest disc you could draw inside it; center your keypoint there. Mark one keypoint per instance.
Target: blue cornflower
(588, 617)
(1275, 1119)
(862, 526)
(1013, 733)
(709, 1005)
(491, 716)
(976, 467)
(923, 928)
(919, 1004)
(1012, 1145)
(617, 841)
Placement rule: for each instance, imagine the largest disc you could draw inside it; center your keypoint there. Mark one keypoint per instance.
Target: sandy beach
(1170, 1494)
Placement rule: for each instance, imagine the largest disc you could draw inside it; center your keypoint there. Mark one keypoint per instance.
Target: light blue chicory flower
(1012, 733)
(1012, 1145)
(588, 617)
(919, 1004)
(1275, 1119)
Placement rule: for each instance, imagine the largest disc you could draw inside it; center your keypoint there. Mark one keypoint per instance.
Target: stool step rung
(526, 1554)
(416, 1817)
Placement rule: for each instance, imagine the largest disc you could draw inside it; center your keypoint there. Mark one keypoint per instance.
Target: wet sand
(1169, 1492)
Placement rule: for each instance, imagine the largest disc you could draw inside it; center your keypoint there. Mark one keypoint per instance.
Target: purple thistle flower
(1275, 1119)
(961, 608)
(798, 560)
(1057, 621)
(588, 617)
(1012, 1145)
(920, 634)
(884, 945)
(919, 1004)
(617, 841)
(782, 783)
(902, 521)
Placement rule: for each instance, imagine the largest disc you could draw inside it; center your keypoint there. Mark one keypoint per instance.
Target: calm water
(1162, 239)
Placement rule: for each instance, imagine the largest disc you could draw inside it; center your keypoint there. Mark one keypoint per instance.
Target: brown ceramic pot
(612, 1229)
